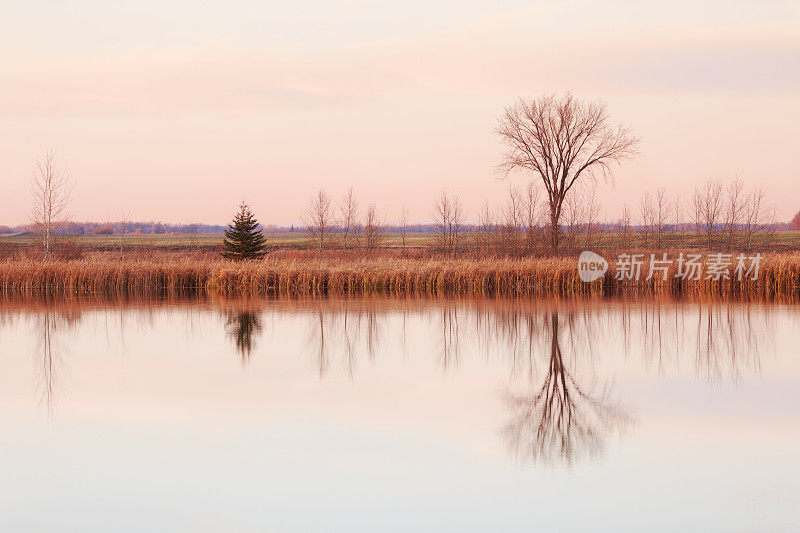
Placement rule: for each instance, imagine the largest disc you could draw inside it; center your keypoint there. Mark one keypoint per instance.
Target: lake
(398, 415)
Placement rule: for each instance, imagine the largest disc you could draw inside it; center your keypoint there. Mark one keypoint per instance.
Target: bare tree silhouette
(319, 219)
(563, 141)
(51, 193)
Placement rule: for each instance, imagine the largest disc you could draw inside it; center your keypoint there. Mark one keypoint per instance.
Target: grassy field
(296, 239)
(783, 240)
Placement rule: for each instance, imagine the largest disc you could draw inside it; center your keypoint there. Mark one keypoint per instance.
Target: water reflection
(349, 331)
(557, 407)
(450, 346)
(243, 327)
(49, 353)
(560, 418)
(48, 361)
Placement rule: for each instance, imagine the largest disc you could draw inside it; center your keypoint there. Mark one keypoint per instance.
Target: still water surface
(399, 415)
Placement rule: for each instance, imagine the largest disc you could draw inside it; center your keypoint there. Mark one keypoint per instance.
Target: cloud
(156, 88)
(731, 68)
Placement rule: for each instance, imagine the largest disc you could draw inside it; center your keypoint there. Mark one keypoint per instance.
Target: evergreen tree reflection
(243, 327)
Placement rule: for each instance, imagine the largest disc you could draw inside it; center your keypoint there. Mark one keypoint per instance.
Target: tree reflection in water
(557, 410)
(49, 353)
(450, 340)
(345, 328)
(561, 419)
(243, 327)
(48, 362)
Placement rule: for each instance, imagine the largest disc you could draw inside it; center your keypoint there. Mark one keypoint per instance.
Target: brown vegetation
(304, 274)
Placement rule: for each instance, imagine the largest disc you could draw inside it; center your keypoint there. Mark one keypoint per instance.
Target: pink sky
(174, 112)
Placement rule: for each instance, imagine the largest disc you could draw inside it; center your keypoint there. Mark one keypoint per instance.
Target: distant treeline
(115, 228)
(162, 228)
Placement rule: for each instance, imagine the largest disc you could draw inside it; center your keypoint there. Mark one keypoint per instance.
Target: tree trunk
(554, 236)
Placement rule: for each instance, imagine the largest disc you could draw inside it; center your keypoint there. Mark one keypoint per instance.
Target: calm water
(376, 415)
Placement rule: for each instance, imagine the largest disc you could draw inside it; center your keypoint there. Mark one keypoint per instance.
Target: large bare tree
(51, 194)
(563, 141)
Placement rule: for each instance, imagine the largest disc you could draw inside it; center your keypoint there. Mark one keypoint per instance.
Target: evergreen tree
(243, 238)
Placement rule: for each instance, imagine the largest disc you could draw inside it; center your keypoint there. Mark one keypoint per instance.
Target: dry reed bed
(779, 277)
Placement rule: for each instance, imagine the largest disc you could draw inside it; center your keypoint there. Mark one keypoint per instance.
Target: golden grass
(298, 276)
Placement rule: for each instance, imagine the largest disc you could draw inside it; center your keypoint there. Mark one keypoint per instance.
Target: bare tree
(51, 195)
(319, 219)
(123, 218)
(403, 226)
(735, 207)
(372, 229)
(677, 211)
(573, 214)
(513, 217)
(449, 221)
(661, 211)
(624, 227)
(531, 215)
(485, 230)
(456, 223)
(442, 214)
(646, 212)
(348, 215)
(563, 141)
(707, 208)
(758, 217)
(592, 214)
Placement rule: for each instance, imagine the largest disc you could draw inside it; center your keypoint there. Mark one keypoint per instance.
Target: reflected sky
(400, 414)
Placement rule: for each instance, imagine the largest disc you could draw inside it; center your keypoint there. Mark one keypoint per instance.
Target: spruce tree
(243, 238)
